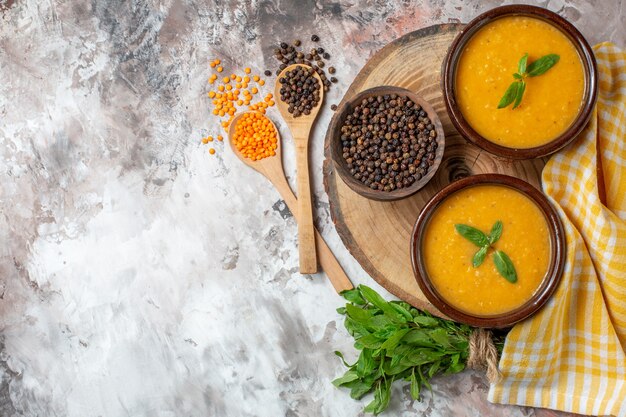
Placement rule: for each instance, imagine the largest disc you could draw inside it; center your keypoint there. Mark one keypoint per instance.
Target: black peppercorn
(300, 90)
(315, 38)
(392, 152)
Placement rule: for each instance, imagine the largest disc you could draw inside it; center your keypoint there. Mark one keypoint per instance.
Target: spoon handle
(306, 234)
(328, 261)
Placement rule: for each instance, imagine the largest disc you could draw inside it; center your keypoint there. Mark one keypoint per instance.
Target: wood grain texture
(300, 128)
(377, 233)
(272, 169)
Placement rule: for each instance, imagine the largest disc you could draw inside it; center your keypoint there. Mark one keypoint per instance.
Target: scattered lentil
(388, 142)
(229, 94)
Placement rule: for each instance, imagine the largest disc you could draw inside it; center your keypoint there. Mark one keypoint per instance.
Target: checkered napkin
(571, 356)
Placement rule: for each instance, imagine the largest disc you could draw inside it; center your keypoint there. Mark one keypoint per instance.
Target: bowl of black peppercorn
(386, 143)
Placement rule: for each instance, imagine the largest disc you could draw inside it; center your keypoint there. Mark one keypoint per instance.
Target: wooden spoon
(300, 128)
(272, 169)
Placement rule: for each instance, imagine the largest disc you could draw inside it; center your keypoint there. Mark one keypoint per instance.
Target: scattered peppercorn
(333, 80)
(294, 55)
(267, 73)
(315, 38)
(332, 70)
(333, 107)
(300, 90)
(388, 142)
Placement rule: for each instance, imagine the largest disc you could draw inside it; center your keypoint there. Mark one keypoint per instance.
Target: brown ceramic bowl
(584, 51)
(545, 289)
(339, 162)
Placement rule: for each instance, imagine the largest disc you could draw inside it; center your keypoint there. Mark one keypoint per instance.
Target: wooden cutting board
(377, 233)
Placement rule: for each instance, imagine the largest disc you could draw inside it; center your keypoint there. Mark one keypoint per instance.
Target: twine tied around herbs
(483, 354)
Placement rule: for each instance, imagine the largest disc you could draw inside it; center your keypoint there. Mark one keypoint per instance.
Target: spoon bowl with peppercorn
(386, 143)
(300, 92)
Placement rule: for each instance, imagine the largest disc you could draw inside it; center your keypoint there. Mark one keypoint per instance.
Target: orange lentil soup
(448, 256)
(485, 70)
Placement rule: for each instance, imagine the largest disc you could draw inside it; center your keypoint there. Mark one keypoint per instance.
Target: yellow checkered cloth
(571, 355)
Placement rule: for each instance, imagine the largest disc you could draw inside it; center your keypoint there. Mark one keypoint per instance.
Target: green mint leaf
(517, 76)
(385, 396)
(341, 310)
(496, 232)
(504, 265)
(353, 296)
(542, 65)
(349, 376)
(358, 314)
(402, 310)
(360, 387)
(394, 339)
(346, 364)
(379, 302)
(509, 95)
(479, 257)
(520, 94)
(426, 321)
(365, 363)
(472, 234)
(373, 406)
(415, 386)
(521, 66)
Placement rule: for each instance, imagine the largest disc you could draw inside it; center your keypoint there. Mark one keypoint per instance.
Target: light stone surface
(141, 276)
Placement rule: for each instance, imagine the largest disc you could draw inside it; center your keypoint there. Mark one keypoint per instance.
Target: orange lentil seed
(255, 137)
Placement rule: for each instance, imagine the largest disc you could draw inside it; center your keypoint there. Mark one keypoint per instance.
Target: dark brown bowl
(549, 283)
(336, 149)
(584, 51)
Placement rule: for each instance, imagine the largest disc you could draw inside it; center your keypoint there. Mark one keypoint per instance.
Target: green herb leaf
(358, 314)
(371, 341)
(472, 234)
(509, 95)
(520, 93)
(360, 387)
(378, 301)
(349, 376)
(542, 65)
(418, 337)
(517, 76)
(504, 265)
(341, 310)
(426, 321)
(496, 232)
(521, 66)
(412, 350)
(365, 363)
(346, 364)
(415, 386)
(402, 310)
(479, 257)
(394, 339)
(353, 296)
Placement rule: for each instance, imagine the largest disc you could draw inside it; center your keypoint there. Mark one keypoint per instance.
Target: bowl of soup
(488, 250)
(494, 55)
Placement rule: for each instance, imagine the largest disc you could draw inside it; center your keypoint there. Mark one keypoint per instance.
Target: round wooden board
(377, 233)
